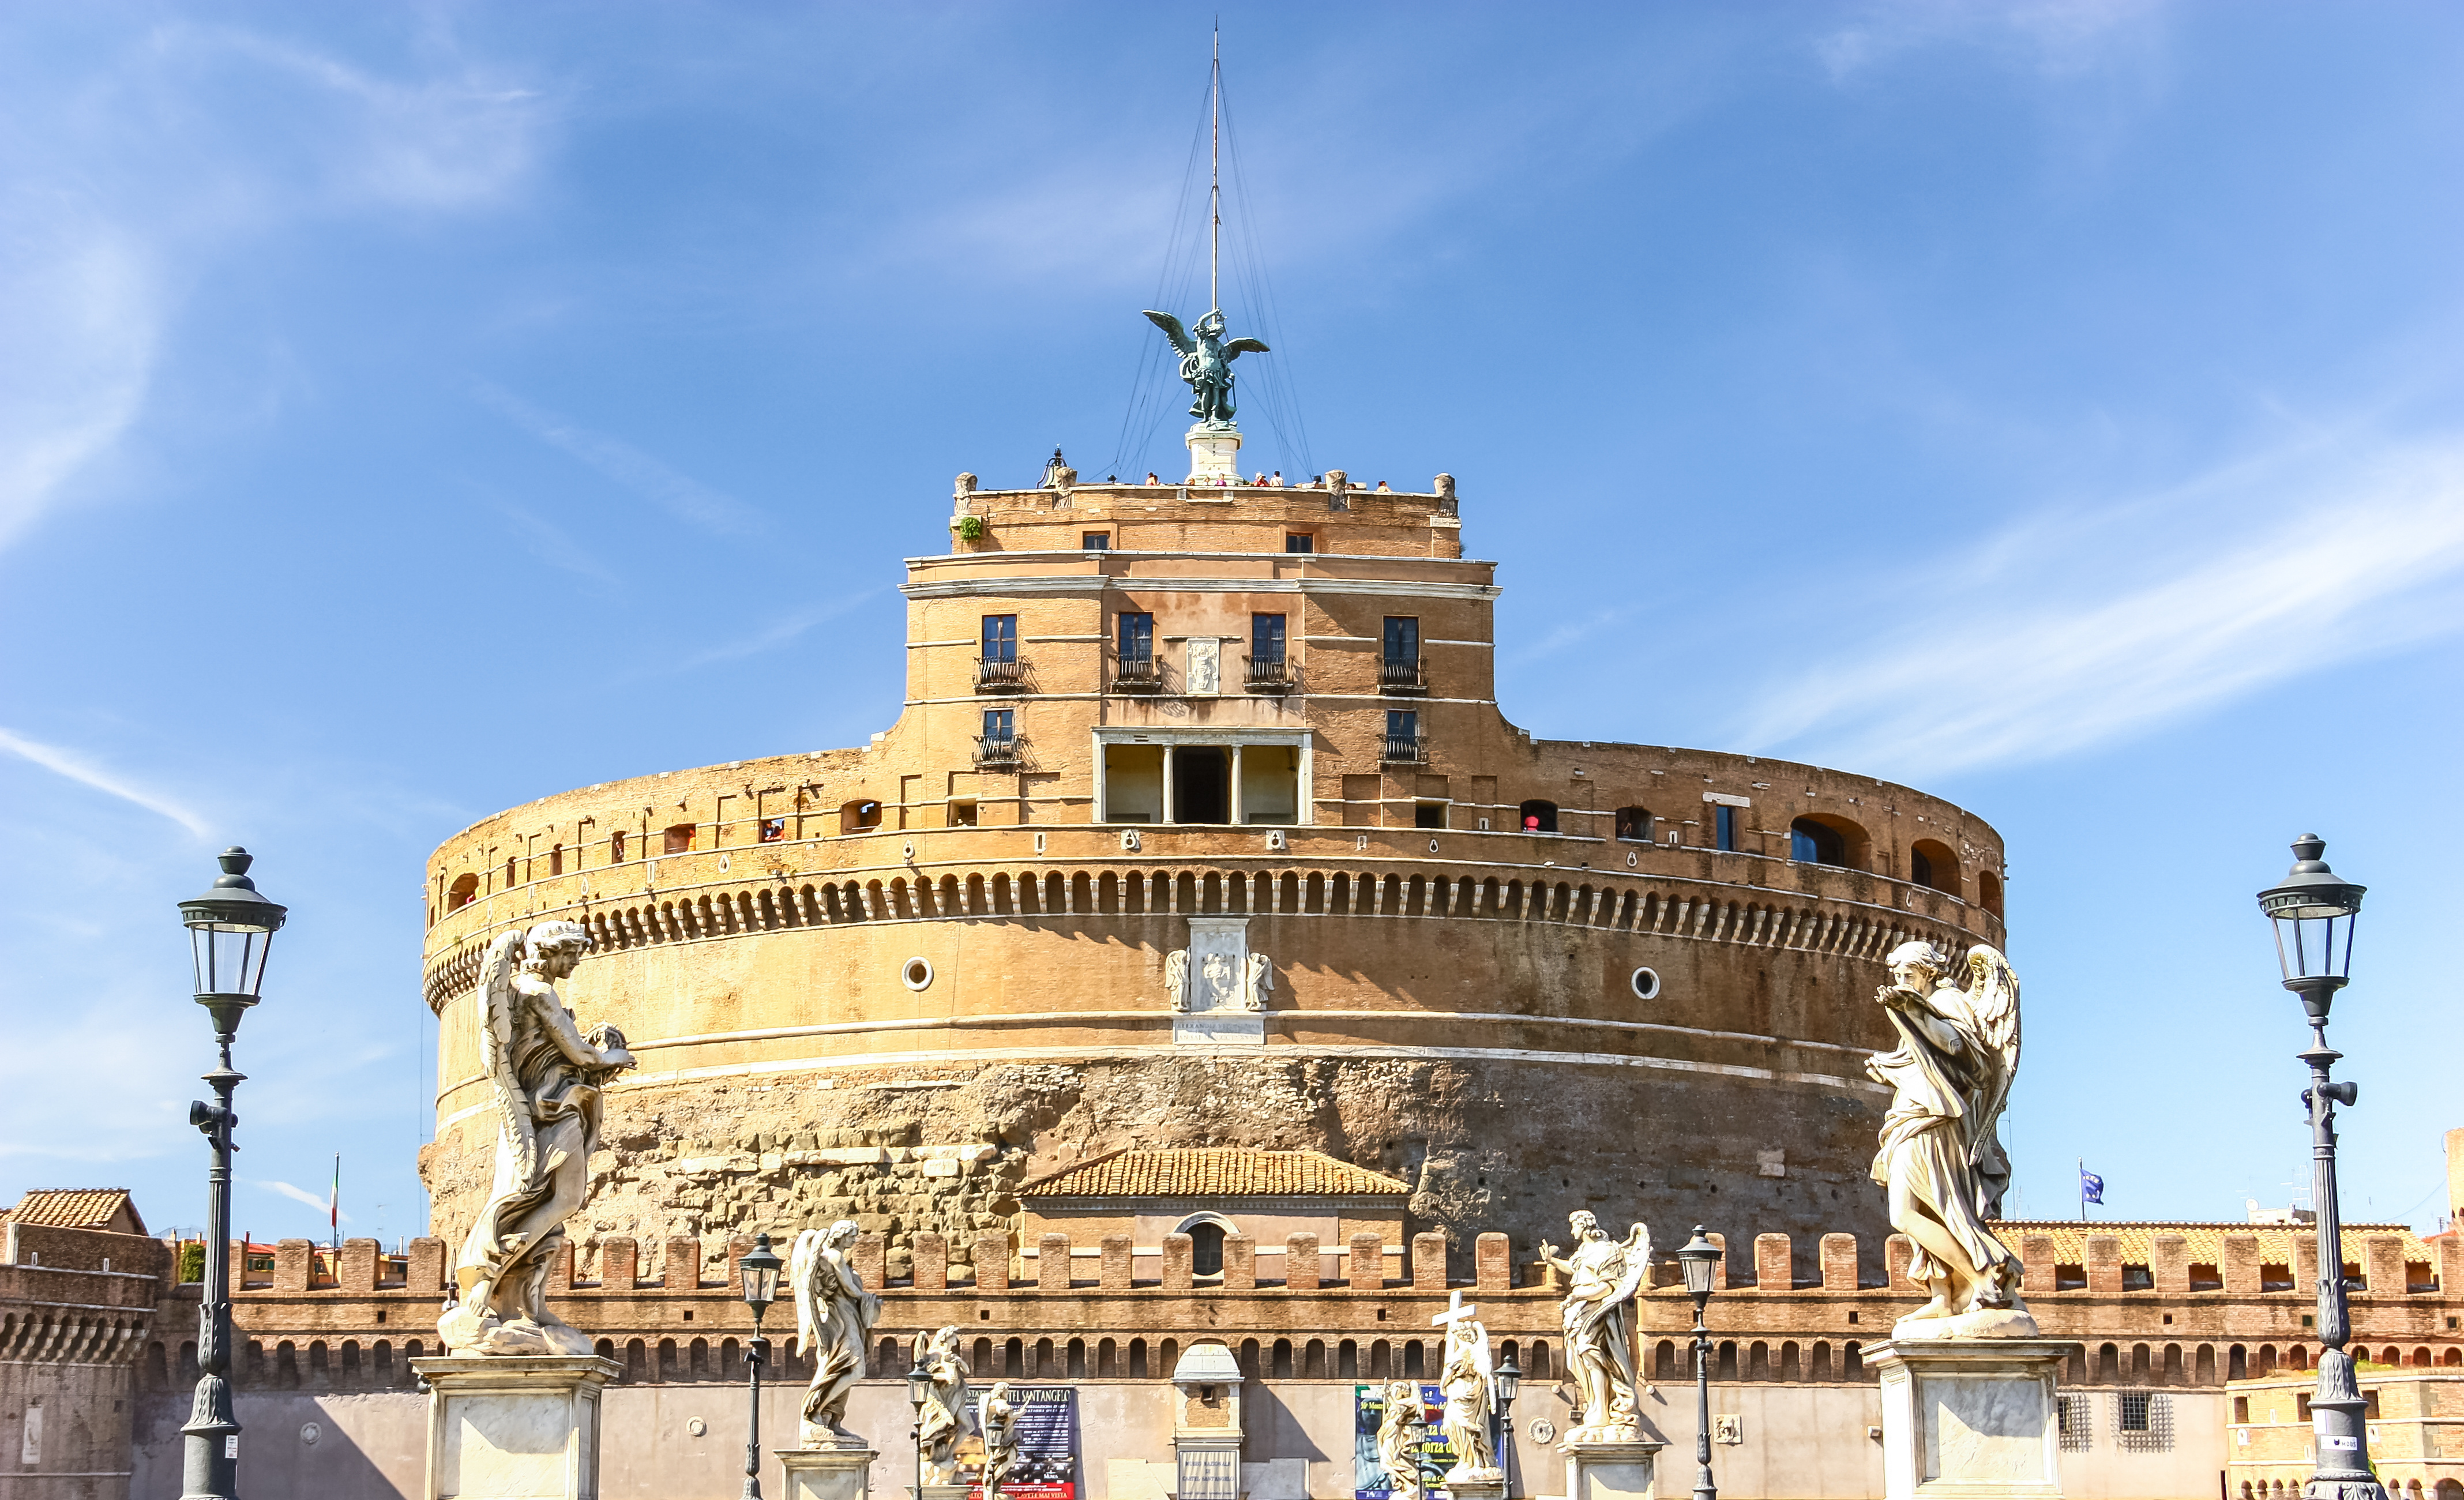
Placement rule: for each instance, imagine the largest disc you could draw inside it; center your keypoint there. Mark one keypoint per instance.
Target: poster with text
(1047, 1465)
(1369, 1480)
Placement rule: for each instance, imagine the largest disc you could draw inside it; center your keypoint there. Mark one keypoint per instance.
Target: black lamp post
(919, 1390)
(2314, 914)
(1509, 1377)
(231, 928)
(1699, 1255)
(759, 1267)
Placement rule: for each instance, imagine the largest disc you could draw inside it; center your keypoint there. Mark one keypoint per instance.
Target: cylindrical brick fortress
(1141, 721)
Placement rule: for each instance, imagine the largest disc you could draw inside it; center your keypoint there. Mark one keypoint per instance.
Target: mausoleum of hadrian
(1202, 827)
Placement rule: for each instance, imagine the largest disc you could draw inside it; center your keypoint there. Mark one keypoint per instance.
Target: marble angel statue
(946, 1419)
(1175, 977)
(1470, 1401)
(1001, 1438)
(1400, 1431)
(834, 1316)
(546, 1075)
(1941, 1156)
(1599, 1318)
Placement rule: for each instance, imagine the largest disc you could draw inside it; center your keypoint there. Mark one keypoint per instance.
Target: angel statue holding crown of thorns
(547, 1075)
(1940, 1158)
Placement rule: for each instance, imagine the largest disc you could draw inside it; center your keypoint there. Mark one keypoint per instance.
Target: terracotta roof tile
(71, 1207)
(2202, 1244)
(1218, 1172)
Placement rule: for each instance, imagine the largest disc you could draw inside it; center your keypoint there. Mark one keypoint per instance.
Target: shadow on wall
(295, 1446)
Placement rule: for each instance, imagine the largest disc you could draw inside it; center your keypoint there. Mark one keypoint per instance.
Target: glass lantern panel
(229, 963)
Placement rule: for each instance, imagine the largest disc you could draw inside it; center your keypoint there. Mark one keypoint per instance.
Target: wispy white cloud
(779, 633)
(2056, 37)
(77, 768)
(2115, 623)
(680, 495)
(555, 546)
(316, 1200)
(79, 299)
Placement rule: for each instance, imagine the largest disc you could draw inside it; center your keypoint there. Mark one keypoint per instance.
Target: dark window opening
(1299, 542)
(1634, 825)
(1206, 1249)
(1095, 541)
(1137, 638)
(1400, 665)
(962, 813)
(680, 838)
(555, 860)
(1001, 637)
(774, 830)
(1000, 726)
(616, 847)
(1201, 785)
(1539, 816)
(1919, 867)
(1404, 736)
(463, 889)
(1429, 815)
(1265, 637)
(857, 816)
(1812, 842)
(1988, 891)
(1724, 828)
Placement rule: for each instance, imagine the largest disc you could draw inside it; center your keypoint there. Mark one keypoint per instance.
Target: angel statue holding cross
(1469, 1386)
(1206, 363)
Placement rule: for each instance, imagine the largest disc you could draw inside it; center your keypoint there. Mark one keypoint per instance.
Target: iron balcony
(993, 752)
(1401, 676)
(1268, 674)
(1406, 750)
(1137, 675)
(999, 674)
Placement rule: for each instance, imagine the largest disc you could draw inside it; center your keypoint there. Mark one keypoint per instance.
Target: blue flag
(2091, 1187)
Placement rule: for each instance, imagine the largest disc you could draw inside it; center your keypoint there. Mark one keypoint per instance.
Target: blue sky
(408, 411)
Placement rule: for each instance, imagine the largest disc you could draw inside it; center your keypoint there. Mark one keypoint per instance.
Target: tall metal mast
(1215, 174)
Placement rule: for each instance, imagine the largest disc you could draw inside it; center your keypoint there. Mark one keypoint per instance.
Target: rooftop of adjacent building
(107, 1209)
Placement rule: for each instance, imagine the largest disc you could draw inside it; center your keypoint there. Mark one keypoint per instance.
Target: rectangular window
(1137, 638)
(1001, 637)
(1429, 815)
(1404, 735)
(680, 838)
(774, 830)
(1724, 825)
(2071, 1415)
(1402, 638)
(1299, 542)
(616, 847)
(962, 813)
(1095, 541)
(996, 725)
(1265, 637)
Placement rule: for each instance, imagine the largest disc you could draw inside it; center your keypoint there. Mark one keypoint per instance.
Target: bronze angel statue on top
(546, 1074)
(1206, 363)
(1941, 1159)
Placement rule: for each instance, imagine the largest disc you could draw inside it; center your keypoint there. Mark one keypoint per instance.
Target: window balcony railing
(1406, 750)
(997, 752)
(1137, 674)
(1401, 676)
(1268, 674)
(1001, 675)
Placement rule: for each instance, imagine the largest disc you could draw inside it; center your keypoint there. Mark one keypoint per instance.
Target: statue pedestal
(948, 1492)
(513, 1426)
(1488, 1484)
(1214, 455)
(828, 1473)
(1970, 1418)
(1610, 1468)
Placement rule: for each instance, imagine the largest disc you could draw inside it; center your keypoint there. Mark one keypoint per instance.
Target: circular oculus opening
(1646, 984)
(916, 975)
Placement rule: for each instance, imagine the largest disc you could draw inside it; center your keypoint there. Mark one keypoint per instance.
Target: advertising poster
(1046, 1467)
(1369, 1481)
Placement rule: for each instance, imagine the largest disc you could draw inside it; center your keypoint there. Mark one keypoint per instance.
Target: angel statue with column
(1603, 1277)
(1401, 1432)
(1206, 363)
(946, 1419)
(1940, 1157)
(834, 1316)
(545, 1075)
